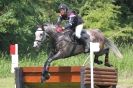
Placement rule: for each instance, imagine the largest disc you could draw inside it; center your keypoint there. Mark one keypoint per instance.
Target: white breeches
(78, 30)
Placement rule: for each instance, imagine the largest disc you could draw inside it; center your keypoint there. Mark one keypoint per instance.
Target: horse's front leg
(45, 73)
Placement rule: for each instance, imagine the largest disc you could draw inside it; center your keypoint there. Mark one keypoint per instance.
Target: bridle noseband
(38, 40)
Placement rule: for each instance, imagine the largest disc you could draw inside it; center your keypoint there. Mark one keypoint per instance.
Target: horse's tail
(114, 48)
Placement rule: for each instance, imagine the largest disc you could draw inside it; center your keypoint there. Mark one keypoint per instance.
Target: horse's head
(40, 36)
(42, 32)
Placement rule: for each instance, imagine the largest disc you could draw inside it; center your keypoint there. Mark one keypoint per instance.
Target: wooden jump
(65, 77)
(103, 77)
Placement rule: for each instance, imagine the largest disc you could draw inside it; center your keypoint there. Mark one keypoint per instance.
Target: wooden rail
(65, 77)
(32, 75)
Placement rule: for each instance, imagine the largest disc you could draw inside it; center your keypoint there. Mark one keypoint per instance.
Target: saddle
(71, 35)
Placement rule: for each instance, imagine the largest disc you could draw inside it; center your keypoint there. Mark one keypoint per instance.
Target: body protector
(73, 20)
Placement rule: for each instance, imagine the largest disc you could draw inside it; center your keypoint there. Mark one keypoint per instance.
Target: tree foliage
(103, 15)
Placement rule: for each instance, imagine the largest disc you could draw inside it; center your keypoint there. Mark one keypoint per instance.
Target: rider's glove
(63, 28)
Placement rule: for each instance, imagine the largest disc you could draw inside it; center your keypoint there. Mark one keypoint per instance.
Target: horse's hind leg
(106, 52)
(106, 62)
(96, 60)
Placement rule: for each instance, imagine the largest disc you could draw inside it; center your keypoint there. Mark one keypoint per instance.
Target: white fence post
(14, 56)
(94, 47)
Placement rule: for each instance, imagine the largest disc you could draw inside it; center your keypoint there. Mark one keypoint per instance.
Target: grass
(124, 66)
(7, 82)
(122, 82)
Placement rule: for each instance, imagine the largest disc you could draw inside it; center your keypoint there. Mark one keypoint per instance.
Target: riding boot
(86, 44)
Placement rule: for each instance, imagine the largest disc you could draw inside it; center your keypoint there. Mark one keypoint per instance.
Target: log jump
(65, 77)
(103, 77)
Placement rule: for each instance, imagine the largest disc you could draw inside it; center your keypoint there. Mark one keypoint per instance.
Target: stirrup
(86, 50)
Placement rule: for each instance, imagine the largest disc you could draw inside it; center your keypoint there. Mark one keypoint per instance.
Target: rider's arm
(71, 21)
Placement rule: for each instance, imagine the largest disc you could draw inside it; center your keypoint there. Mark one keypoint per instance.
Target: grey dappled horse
(64, 45)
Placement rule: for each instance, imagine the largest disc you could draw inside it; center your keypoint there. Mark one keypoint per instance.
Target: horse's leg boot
(45, 76)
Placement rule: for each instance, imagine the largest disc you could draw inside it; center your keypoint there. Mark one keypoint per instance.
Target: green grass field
(124, 66)
(122, 82)
(7, 82)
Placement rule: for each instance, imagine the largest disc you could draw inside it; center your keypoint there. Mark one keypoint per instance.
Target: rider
(75, 22)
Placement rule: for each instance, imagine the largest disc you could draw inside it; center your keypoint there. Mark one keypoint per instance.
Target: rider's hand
(63, 28)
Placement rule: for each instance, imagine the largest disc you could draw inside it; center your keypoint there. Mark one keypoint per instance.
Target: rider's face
(62, 12)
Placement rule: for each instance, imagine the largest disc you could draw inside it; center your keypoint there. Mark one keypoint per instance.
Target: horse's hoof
(43, 79)
(45, 76)
(108, 65)
(98, 62)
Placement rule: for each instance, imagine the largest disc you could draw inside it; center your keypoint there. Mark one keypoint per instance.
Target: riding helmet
(63, 6)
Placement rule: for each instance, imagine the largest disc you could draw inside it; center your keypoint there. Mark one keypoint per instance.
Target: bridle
(44, 33)
(39, 41)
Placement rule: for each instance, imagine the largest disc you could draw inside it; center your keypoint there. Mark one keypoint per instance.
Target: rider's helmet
(63, 6)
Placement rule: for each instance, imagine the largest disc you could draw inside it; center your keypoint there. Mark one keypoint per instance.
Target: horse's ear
(44, 26)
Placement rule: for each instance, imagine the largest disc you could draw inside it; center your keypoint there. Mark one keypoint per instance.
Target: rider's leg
(86, 43)
(78, 30)
(85, 40)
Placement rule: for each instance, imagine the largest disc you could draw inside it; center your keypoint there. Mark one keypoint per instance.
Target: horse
(65, 46)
